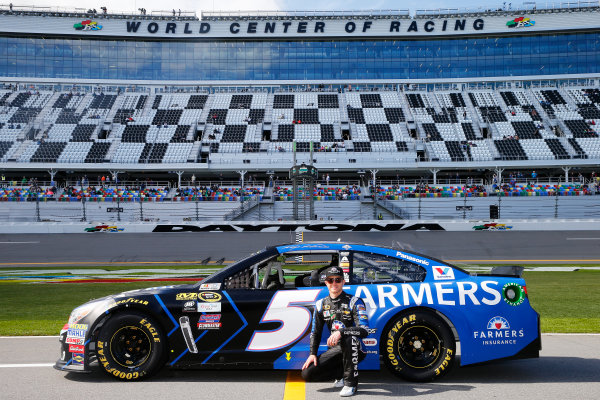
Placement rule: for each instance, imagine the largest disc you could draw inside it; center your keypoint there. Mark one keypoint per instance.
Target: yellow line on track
(295, 389)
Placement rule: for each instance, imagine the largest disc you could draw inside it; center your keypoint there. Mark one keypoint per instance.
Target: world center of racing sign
(297, 28)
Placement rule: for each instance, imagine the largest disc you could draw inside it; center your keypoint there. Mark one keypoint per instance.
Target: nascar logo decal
(443, 273)
(210, 297)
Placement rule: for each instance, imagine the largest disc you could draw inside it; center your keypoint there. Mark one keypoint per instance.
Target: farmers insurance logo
(498, 333)
(520, 22)
(443, 273)
(498, 323)
(87, 25)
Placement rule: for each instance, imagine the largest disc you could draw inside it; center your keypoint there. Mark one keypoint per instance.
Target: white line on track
(598, 238)
(27, 337)
(17, 242)
(25, 365)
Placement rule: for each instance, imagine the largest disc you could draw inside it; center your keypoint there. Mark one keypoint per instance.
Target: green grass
(43, 308)
(567, 301)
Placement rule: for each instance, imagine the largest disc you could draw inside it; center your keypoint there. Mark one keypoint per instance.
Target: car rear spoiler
(507, 270)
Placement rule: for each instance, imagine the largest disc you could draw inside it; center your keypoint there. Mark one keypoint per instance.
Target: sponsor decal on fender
(186, 296)
(209, 307)
(210, 318)
(72, 340)
(210, 286)
(77, 359)
(209, 297)
(209, 325)
(443, 273)
(190, 306)
(77, 333)
(76, 348)
(78, 326)
(498, 333)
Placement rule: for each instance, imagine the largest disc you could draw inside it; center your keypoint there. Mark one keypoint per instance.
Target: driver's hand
(334, 339)
(312, 359)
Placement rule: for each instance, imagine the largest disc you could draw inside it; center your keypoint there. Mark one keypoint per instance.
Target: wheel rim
(419, 347)
(130, 346)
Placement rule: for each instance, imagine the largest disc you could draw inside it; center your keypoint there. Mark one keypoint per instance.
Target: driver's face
(335, 284)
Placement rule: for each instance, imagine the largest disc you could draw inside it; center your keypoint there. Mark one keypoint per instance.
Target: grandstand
(364, 96)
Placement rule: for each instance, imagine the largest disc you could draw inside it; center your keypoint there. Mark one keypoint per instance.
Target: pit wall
(99, 227)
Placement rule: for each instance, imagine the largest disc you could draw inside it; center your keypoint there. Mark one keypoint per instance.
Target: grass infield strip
(569, 302)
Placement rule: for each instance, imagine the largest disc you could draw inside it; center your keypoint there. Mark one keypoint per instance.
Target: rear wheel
(131, 346)
(418, 346)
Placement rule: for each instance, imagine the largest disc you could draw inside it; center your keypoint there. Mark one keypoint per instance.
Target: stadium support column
(179, 173)
(434, 172)
(374, 192)
(52, 173)
(115, 177)
(499, 172)
(566, 169)
(242, 175)
(84, 219)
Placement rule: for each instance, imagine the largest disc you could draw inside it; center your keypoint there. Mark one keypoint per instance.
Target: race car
(257, 313)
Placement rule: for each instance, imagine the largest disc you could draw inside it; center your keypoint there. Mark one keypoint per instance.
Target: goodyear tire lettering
(419, 347)
(131, 363)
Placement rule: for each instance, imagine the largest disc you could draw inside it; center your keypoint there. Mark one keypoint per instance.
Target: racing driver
(347, 320)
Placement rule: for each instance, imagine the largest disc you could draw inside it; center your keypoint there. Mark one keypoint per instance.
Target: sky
(131, 6)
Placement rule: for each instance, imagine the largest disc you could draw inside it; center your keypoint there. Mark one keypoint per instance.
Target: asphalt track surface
(568, 368)
(133, 248)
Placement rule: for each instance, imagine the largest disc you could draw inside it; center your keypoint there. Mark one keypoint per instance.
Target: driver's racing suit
(348, 315)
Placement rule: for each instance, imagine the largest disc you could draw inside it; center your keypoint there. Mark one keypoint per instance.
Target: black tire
(131, 346)
(418, 346)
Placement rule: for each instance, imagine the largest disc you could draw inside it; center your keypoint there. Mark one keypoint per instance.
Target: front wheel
(418, 346)
(131, 346)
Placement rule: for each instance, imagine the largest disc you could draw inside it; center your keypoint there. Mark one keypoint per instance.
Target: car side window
(377, 268)
(266, 274)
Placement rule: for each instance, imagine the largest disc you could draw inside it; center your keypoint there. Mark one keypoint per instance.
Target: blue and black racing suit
(348, 315)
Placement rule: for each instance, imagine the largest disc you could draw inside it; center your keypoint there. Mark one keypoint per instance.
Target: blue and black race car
(257, 313)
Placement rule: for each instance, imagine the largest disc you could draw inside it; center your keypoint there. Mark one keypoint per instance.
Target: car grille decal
(168, 314)
(245, 324)
(71, 360)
